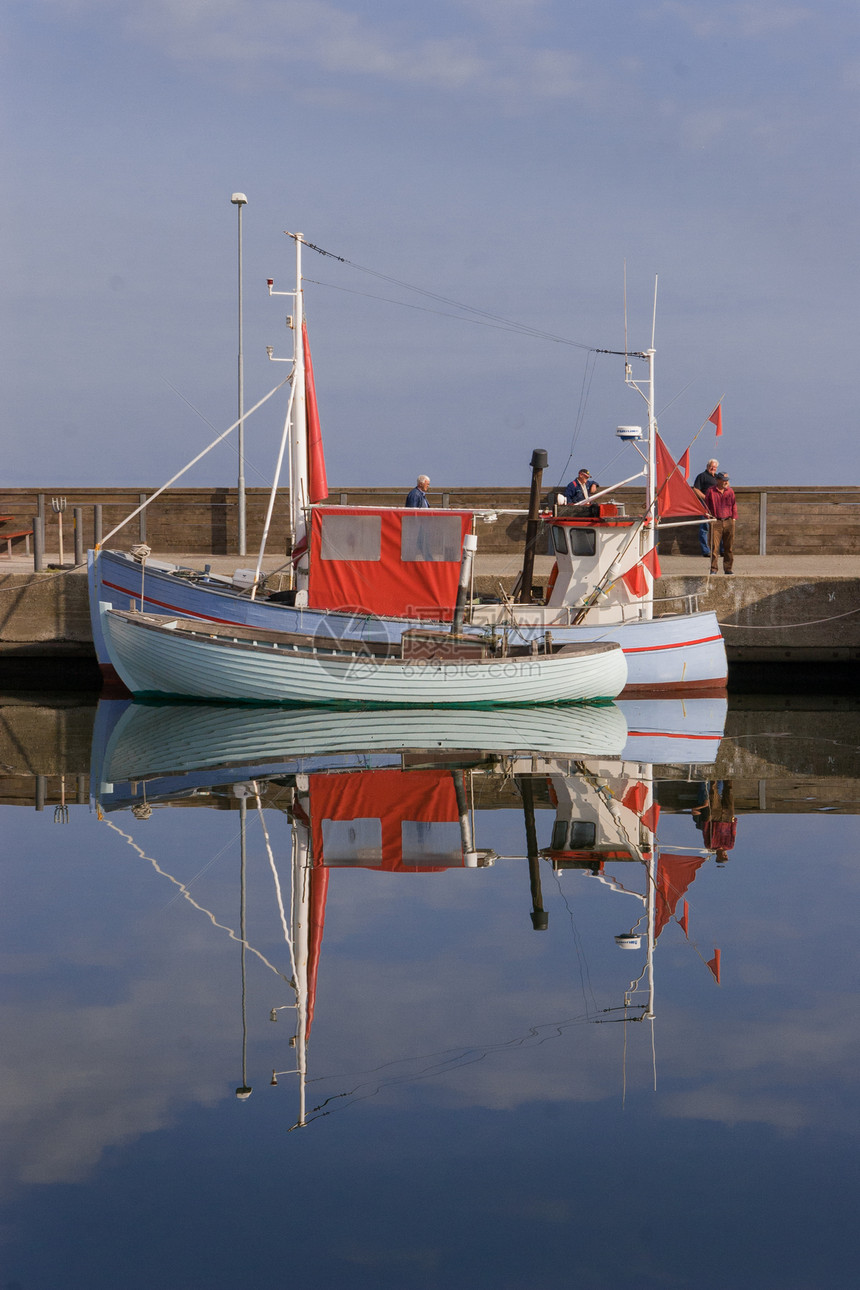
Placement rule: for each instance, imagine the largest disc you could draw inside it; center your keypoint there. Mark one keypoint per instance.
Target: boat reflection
(170, 745)
(404, 793)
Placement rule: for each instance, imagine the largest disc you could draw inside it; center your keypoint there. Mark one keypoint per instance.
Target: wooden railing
(772, 521)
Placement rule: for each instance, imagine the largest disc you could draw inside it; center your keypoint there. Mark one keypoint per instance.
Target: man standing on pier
(720, 501)
(703, 481)
(417, 496)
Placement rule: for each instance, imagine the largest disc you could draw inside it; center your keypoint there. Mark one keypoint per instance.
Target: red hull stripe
(210, 618)
(667, 734)
(650, 649)
(163, 604)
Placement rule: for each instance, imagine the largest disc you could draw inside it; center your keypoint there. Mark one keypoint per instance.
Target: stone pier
(787, 609)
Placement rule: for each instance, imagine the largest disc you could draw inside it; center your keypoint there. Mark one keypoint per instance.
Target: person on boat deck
(417, 496)
(721, 502)
(578, 489)
(704, 480)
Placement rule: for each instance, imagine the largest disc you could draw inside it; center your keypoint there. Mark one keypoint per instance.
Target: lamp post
(239, 200)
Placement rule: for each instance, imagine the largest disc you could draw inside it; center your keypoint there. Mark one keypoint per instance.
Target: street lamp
(239, 200)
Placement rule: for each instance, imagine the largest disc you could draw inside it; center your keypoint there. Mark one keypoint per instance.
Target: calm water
(476, 1109)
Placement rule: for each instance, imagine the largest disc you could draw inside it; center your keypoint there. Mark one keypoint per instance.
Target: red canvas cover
(390, 796)
(387, 585)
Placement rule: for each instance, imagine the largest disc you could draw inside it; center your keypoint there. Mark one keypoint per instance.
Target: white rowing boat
(182, 657)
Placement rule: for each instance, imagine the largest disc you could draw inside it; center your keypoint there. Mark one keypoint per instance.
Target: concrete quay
(773, 609)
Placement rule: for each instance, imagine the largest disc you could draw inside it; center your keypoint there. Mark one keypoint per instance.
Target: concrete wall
(772, 521)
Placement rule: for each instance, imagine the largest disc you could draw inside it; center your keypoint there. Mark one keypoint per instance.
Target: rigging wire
(584, 971)
(186, 894)
(502, 324)
(508, 323)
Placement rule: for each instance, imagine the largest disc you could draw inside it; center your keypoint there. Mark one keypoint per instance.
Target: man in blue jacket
(417, 496)
(578, 489)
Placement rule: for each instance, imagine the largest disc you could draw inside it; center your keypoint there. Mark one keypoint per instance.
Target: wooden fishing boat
(373, 573)
(183, 657)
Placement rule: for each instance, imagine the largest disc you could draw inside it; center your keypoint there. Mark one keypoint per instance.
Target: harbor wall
(765, 617)
(804, 520)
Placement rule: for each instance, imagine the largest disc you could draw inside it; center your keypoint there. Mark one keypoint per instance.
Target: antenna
(654, 318)
(625, 315)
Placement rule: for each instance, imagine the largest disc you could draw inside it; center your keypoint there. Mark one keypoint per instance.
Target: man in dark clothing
(707, 479)
(578, 489)
(417, 496)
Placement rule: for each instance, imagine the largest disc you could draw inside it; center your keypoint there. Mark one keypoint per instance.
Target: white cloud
(490, 55)
(748, 19)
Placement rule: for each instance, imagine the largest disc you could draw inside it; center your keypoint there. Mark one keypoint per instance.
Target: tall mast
(298, 435)
(650, 530)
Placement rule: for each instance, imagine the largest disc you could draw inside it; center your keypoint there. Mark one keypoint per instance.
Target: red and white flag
(634, 579)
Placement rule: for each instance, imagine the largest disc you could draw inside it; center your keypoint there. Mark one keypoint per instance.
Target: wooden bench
(9, 538)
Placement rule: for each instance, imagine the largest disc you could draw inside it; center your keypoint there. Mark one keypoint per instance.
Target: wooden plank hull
(154, 657)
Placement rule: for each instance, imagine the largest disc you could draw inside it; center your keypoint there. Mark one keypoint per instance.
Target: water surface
(480, 1106)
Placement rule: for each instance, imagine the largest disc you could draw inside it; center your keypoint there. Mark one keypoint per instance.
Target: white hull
(159, 740)
(675, 653)
(157, 658)
(676, 732)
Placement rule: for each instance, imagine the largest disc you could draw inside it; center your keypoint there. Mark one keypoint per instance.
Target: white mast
(649, 533)
(295, 428)
(649, 530)
(299, 437)
(301, 865)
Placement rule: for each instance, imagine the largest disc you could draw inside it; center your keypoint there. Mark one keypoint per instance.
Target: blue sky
(511, 155)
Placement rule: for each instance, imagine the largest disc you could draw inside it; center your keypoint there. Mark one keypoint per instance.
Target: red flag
(635, 581)
(635, 797)
(651, 817)
(684, 920)
(318, 893)
(675, 873)
(674, 494)
(714, 965)
(684, 463)
(717, 418)
(651, 561)
(317, 485)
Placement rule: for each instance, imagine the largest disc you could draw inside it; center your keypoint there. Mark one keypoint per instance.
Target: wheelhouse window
(582, 541)
(435, 844)
(559, 541)
(576, 835)
(430, 537)
(583, 835)
(350, 537)
(352, 842)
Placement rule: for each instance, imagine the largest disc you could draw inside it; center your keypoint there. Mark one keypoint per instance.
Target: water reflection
(447, 916)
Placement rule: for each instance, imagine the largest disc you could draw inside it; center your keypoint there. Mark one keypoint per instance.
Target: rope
(48, 577)
(778, 627)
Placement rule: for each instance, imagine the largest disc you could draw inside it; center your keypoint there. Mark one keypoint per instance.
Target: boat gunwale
(305, 645)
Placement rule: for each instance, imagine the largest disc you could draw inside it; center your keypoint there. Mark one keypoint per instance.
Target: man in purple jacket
(720, 501)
